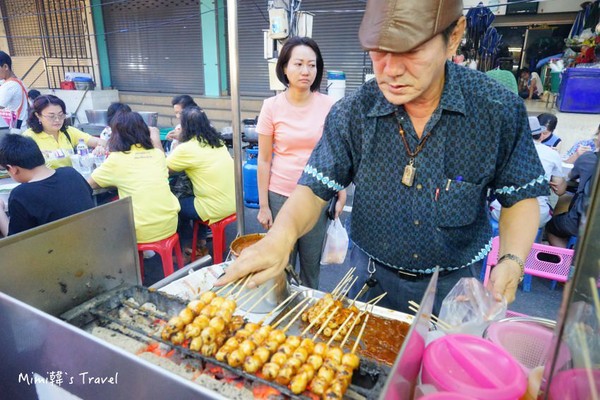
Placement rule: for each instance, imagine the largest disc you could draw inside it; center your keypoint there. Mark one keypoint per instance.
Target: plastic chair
(526, 278)
(164, 248)
(218, 230)
(543, 261)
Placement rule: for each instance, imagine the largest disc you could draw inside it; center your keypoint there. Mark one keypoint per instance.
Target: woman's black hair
(195, 123)
(115, 108)
(128, 128)
(39, 105)
(184, 101)
(548, 120)
(286, 53)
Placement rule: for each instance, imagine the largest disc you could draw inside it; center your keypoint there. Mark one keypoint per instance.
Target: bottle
(82, 148)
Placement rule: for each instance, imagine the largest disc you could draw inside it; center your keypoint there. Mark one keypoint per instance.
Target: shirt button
(417, 222)
(419, 186)
(415, 256)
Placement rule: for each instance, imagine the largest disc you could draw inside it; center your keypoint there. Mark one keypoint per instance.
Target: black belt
(417, 276)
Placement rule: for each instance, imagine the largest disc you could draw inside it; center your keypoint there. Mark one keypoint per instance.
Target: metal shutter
(335, 28)
(155, 45)
(253, 17)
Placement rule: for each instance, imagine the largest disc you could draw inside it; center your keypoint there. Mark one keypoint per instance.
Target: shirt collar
(452, 96)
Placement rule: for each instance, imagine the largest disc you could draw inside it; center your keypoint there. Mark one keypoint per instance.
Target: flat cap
(401, 25)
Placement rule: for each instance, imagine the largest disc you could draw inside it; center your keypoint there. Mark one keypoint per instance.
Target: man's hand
(504, 280)
(266, 259)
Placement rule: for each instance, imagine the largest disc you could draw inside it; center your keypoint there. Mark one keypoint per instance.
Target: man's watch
(516, 259)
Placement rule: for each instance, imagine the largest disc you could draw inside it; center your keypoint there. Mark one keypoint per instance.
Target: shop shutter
(253, 17)
(335, 28)
(155, 45)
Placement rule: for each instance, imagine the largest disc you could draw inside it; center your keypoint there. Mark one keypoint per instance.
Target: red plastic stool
(164, 248)
(218, 231)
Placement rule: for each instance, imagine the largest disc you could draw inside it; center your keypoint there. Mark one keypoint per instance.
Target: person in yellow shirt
(48, 128)
(139, 170)
(203, 156)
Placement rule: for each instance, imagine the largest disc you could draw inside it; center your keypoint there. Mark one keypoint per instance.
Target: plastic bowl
(474, 367)
(527, 340)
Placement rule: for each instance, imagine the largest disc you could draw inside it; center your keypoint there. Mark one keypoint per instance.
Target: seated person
(549, 122)
(113, 109)
(553, 172)
(33, 94)
(48, 127)
(582, 146)
(179, 103)
(530, 85)
(139, 170)
(562, 226)
(204, 158)
(44, 195)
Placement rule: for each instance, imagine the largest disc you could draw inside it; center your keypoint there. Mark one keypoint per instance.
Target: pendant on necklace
(409, 174)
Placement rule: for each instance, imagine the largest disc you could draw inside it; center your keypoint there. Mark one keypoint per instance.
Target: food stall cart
(73, 321)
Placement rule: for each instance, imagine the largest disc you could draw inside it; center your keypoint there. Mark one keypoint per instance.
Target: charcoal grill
(55, 296)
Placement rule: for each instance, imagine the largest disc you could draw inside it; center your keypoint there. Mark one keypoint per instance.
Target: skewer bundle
(294, 361)
(205, 322)
(333, 299)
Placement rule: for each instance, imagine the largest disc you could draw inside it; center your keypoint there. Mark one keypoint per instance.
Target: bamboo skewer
(290, 312)
(351, 329)
(344, 292)
(324, 324)
(295, 317)
(261, 298)
(318, 317)
(243, 286)
(594, 287)
(250, 293)
(342, 281)
(234, 287)
(414, 306)
(376, 300)
(276, 309)
(357, 294)
(339, 330)
(217, 292)
(362, 329)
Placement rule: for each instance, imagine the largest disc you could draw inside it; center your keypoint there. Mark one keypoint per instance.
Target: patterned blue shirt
(480, 139)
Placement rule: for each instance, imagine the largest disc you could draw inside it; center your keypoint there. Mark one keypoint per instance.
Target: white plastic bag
(470, 307)
(336, 244)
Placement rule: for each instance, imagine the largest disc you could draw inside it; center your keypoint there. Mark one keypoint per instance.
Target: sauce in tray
(382, 339)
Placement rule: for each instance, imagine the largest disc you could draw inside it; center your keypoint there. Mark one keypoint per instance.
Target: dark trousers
(400, 290)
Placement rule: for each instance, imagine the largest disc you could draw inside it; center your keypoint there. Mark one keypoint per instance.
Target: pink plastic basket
(528, 340)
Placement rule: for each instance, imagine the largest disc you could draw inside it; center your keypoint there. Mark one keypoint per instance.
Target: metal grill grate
(22, 27)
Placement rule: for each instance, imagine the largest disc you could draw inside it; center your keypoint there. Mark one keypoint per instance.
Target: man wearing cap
(553, 170)
(13, 97)
(423, 142)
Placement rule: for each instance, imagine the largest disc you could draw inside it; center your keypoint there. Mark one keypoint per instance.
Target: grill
(124, 319)
(111, 330)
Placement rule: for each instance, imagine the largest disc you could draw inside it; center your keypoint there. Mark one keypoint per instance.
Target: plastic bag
(470, 307)
(336, 244)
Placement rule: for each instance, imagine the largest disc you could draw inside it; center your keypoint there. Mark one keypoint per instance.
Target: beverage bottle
(82, 148)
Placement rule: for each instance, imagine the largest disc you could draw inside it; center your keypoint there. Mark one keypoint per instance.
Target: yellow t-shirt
(143, 175)
(58, 153)
(211, 172)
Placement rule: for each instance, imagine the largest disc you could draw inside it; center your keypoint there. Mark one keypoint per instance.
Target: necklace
(408, 177)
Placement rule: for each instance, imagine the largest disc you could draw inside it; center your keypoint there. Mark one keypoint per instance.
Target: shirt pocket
(459, 203)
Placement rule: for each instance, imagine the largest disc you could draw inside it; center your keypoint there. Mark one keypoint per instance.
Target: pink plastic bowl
(446, 396)
(574, 384)
(474, 367)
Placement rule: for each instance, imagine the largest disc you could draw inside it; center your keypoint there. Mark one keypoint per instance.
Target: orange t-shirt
(295, 131)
